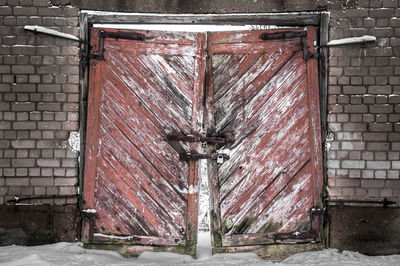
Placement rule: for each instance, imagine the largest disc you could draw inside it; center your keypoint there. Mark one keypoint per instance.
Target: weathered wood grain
(141, 92)
(264, 92)
(294, 19)
(264, 95)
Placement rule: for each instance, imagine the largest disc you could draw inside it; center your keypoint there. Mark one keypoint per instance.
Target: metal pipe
(39, 29)
(16, 199)
(385, 202)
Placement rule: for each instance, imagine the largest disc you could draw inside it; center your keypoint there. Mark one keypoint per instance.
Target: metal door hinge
(306, 52)
(315, 211)
(115, 35)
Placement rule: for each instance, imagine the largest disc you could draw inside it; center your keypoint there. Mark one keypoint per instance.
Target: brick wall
(364, 96)
(39, 102)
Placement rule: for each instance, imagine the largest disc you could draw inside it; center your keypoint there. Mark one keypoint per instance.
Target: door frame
(88, 18)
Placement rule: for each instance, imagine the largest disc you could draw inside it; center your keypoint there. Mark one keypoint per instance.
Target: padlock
(220, 159)
(204, 145)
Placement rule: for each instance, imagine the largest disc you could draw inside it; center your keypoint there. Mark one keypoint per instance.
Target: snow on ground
(74, 254)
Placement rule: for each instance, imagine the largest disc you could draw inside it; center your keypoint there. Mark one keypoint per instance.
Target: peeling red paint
(141, 92)
(264, 93)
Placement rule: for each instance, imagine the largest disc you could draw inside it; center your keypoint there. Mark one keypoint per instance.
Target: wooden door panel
(140, 92)
(268, 100)
(262, 92)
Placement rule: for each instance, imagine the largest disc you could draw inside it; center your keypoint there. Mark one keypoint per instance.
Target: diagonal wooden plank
(286, 73)
(145, 188)
(262, 148)
(149, 209)
(235, 96)
(279, 103)
(226, 74)
(149, 93)
(184, 69)
(143, 152)
(171, 79)
(159, 77)
(290, 208)
(255, 90)
(265, 189)
(269, 164)
(120, 212)
(135, 126)
(161, 124)
(112, 137)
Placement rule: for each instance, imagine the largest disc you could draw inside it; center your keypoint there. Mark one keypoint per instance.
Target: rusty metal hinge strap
(116, 35)
(283, 35)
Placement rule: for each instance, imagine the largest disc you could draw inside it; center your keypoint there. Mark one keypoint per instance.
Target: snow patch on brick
(74, 141)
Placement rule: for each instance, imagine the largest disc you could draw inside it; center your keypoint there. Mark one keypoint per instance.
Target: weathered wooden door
(143, 87)
(263, 90)
(261, 96)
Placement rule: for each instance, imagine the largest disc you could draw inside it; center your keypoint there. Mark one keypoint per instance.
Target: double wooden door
(158, 102)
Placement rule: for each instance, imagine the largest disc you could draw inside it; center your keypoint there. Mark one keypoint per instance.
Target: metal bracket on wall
(115, 35)
(303, 235)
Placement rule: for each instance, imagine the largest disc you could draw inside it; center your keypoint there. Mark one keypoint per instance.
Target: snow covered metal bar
(43, 30)
(362, 39)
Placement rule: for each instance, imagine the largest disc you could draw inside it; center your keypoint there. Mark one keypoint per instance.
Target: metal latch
(217, 139)
(220, 157)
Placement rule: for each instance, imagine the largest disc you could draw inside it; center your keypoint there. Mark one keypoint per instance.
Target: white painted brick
(333, 163)
(378, 164)
(393, 174)
(395, 164)
(353, 164)
(380, 174)
(368, 174)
